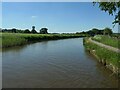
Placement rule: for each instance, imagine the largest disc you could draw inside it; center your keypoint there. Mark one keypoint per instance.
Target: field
(17, 39)
(111, 41)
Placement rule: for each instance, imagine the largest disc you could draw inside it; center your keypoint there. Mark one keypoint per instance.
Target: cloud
(33, 16)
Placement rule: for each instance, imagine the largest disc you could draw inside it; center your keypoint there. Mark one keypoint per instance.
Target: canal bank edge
(102, 56)
(16, 39)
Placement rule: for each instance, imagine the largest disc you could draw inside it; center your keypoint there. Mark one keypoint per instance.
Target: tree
(27, 31)
(14, 30)
(107, 31)
(95, 31)
(33, 30)
(101, 32)
(43, 31)
(112, 8)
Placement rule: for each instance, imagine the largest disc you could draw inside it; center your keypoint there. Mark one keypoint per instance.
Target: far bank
(18, 39)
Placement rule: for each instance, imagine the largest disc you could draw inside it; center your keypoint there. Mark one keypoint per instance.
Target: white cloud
(33, 16)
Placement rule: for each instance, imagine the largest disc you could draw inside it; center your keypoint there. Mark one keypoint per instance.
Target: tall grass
(102, 53)
(107, 40)
(16, 39)
(12, 40)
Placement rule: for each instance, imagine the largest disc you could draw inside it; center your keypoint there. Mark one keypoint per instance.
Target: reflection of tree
(14, 49)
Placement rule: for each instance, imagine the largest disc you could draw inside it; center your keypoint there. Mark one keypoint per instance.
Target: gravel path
(105, 46)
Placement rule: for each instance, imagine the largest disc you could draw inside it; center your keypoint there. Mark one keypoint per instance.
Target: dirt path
(105, 46)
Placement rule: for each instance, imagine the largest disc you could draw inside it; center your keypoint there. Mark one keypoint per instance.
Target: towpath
(105, 46)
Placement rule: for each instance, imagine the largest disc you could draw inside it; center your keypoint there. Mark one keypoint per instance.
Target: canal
(54, 64)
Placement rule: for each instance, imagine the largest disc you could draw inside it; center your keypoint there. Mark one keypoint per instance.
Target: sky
(58, 17)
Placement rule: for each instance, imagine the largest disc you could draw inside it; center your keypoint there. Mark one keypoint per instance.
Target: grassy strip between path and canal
(108, 58)
(108, 40)
(17, 39)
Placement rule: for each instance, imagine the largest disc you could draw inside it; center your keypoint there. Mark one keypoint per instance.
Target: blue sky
(56, 16)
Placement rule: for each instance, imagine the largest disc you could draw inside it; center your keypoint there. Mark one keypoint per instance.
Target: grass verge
(110, 57)
(107, 40)
(17, 39)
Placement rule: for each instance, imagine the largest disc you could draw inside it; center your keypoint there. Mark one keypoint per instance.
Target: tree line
(33, 31)
(95, 31)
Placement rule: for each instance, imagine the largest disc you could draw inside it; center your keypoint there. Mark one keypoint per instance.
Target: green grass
(107, 40)
(102, 53)
(17, 39)
(9, 39)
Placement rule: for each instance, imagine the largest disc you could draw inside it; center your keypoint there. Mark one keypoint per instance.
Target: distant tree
(95, 31)
(113, 8)
(101, 32)
(20, 31)
(78, 32)
(0, 29)
(43, 31)
(33, 30)
(107, 31)
(14, 30)
(90, 32)
(33, 27)
(81, 32)
(27, 31)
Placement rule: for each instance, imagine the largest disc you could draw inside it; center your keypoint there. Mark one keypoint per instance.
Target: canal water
(54, 64)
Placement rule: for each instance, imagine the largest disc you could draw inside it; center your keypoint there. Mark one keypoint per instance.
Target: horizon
(58, 17)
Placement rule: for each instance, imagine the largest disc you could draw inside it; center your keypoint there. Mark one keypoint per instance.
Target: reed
(17, 39)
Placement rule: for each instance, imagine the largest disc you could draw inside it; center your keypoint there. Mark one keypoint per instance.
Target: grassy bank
(108, 58)
(17, 39)
(107, 40)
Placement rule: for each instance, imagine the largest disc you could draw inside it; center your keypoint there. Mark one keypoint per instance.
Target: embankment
(108, 58)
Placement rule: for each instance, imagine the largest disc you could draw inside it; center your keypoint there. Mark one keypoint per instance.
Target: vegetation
(95, 31)
(109, 57)
(16, 39)
(105, 39)
(33, 30)
(107, 31)
(27, 31)
(10, 39)
(112, 8)
(43, 31)
(116, 35)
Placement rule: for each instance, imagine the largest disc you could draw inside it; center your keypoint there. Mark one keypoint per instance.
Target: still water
(54, 64)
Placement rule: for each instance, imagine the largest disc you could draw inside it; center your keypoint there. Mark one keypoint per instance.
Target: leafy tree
(27, 31)
(81, 32)
(95, 31)
(101, 32)
(14, 30)
(20, 31)
(43, 31)
(107, 31)
(33, 30)
(113, 8)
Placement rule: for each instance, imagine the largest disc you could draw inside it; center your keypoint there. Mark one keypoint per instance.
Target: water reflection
(14, 49)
